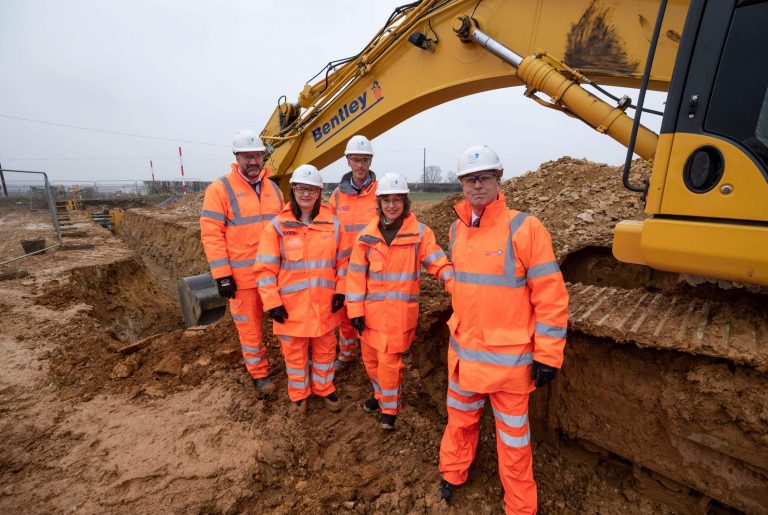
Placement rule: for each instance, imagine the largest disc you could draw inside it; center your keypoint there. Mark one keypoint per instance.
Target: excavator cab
(707, 199)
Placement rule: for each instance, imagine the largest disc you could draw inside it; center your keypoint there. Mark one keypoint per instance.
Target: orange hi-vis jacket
(353, 209)
(383, 281)
(510, 304)
(300, 267)
(232, 221)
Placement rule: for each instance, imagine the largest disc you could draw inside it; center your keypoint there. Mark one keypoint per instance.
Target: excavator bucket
(200, 300)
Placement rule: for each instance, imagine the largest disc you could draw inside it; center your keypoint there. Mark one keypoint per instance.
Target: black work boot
(371, 405)
(446, 491)
(332, 402)
(387, 421)
(264, 386)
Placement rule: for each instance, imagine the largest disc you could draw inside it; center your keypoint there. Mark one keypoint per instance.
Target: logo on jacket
(346, 114)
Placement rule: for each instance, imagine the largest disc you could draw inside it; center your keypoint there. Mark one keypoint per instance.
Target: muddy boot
(446, 491)
(387, 421)
(332, 402)
(341, 365)
(299, 407)
(371, 405)
(264, 386)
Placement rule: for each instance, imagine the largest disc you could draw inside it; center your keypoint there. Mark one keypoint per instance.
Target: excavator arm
(707, 198)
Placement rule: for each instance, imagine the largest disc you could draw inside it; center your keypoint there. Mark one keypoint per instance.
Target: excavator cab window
(739, 105)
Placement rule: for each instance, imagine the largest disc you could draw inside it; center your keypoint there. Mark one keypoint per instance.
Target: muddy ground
(109, 404)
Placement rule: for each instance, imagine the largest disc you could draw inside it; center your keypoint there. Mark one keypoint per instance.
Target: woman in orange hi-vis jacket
(383, 290)
(507, 331)
(300, 271)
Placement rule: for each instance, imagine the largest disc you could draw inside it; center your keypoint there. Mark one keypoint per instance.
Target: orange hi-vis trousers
(309, 376)
(348, 338)
(246, 309)
(385, 370)
(459, 444)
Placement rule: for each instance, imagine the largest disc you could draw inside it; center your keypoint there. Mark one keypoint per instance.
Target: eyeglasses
(360, 160)
(392, 200)
(485, 179)
(299, 191)
(251, 157)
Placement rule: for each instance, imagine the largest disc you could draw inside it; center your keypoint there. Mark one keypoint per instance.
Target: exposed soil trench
(108, 404)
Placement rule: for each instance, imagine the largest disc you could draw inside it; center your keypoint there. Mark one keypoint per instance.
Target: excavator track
(737, 332)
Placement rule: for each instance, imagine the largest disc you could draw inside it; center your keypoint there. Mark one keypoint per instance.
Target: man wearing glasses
(236, 208)
(353, 202)
(507, 331)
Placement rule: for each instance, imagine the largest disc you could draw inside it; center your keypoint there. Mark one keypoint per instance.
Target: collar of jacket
(492, 211)
(322, 222)
(263, 175)
(345, 184)
(408, 233)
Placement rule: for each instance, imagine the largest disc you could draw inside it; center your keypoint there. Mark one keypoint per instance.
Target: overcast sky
(187, 72)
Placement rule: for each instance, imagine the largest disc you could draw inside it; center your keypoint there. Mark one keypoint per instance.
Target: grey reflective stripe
(303, 285)
(295, 371)
(355, 297)
(299, 384)
(492, 358)
(551, 330)
(543, 269)
(232, 198)
(343, 253)
(390, 295)
(291, 223)
(243, 263)
(388, 393)
(336, 194)
(239, 318)
(453, 239)
(307, 265)
(448, 274)
(457, 389)
(218, 262)
(389, 404)
(246, 348)
(433, 257)
(509, 258)
(266, 258)
(511, 420)
(336, 230)
(278, 193)
(322, 380)
(345, 352)
(358, 268)
(213, 215)
(355, 228)
(284, 338)
(421, 230)
(276, 225)
(515, 441)
(252, 219)
(394, 276)
(252, 361)
(266, 281)
(464, 406)
(490, 279)
(341, 273)
(322, 366)
(347, 341)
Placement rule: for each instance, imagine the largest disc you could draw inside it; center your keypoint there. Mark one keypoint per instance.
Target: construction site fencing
(26, 190)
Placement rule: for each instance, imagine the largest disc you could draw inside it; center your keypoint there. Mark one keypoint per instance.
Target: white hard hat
(307, 174)
(392, 183)
(477, 159)
(359, 145)
(247, 141)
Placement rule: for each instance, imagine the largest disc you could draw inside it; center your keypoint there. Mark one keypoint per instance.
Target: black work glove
(337, 303)
(227, 287)
(358, 323)
(542, 374)
(278, 314)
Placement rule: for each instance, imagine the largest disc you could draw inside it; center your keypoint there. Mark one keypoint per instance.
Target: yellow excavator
(707, 196)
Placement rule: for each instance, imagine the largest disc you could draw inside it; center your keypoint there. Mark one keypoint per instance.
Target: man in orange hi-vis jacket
(236, 209)
(300, 270)
(353, 202)
(507, 331)
(383, 281)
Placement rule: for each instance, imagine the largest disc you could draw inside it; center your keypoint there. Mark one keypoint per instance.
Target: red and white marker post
(183, 182)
